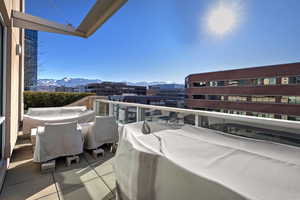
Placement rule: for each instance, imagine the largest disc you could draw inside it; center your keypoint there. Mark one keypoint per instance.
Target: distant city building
(80, 88)
(167, 90)
(150, 100)
(64, 89)
(46, 88)
(113, 88)
(269, 91)
(30, 60)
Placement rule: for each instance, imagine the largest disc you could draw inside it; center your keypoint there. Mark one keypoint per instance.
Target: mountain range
(72, 82)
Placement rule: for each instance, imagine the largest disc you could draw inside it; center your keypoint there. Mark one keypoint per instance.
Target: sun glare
(221, 19)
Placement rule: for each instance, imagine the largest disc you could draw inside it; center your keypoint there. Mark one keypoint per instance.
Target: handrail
(240, 118)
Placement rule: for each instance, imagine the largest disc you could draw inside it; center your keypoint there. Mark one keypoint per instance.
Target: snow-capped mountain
(72, 82)
(68, 82)
(145, 83)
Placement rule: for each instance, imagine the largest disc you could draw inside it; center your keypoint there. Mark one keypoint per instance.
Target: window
(221, 83)
(269, 81)
(260, 81)
(263, 99)
(214, 97)
(284, 80)
(198, 96)
(294, 118)
(241, 112)
(243, 82)
(272, 81)
(233, 83)
(266, 115)
(253, 82)
(200, 84)
(237, 98)
(213, 83)
(290, 99)
(186, 82)
(294, 80)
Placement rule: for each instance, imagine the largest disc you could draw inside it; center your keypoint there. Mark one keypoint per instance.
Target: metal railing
(276, 130)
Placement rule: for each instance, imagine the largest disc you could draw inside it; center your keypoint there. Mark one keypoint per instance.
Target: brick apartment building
(268, 91)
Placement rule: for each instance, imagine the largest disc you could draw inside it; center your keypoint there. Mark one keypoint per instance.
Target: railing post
(196, 120)
(111, 110)
(94, 105)
(139, 114)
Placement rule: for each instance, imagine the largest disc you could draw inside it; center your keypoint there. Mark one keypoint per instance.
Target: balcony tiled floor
(90, 179)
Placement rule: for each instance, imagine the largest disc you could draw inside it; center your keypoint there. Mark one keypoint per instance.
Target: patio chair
(103, 131)
(57, 140)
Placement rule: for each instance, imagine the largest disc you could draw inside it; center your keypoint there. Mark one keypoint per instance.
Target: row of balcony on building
(250, 99)
(255, 114)
(248, 82)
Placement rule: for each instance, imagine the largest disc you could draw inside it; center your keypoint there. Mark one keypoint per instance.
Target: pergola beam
(27, 21)
(99, 13)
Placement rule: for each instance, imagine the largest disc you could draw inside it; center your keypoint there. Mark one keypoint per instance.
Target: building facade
(268, 91)
(113, 88)
(11, 81)
(31, 59)
(176, 102)
(166, 90)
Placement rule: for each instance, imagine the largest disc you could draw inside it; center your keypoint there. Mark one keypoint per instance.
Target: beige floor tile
(103, 168)
(90, 159)
(74, 175)
(29, 190)
(93, 189)
(110, 180)
(53, 196)
(25, 171)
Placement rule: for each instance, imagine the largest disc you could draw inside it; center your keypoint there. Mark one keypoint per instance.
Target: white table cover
(197, 163)
(40, 116)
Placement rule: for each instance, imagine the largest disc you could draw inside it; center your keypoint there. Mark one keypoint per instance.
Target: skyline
(173, 43)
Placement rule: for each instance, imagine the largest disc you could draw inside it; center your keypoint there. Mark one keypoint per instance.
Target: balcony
(95, 178)
(90, 179)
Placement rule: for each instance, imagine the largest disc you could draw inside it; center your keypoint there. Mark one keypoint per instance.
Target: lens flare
(221, 19)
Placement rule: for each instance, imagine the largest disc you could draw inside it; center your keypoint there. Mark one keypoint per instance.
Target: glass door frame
(3, 49)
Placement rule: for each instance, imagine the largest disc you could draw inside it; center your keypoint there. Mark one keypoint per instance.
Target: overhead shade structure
(101, 11)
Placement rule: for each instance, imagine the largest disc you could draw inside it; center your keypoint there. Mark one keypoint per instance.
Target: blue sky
(165, 40)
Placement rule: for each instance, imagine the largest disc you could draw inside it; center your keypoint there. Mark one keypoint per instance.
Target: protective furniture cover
(39, 116)
(102, 131)
(197, 163)
(56, 140)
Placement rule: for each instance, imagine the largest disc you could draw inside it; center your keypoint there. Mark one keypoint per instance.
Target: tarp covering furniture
(104, 130)
(39, 116)
(56, 140)
(196, 163)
